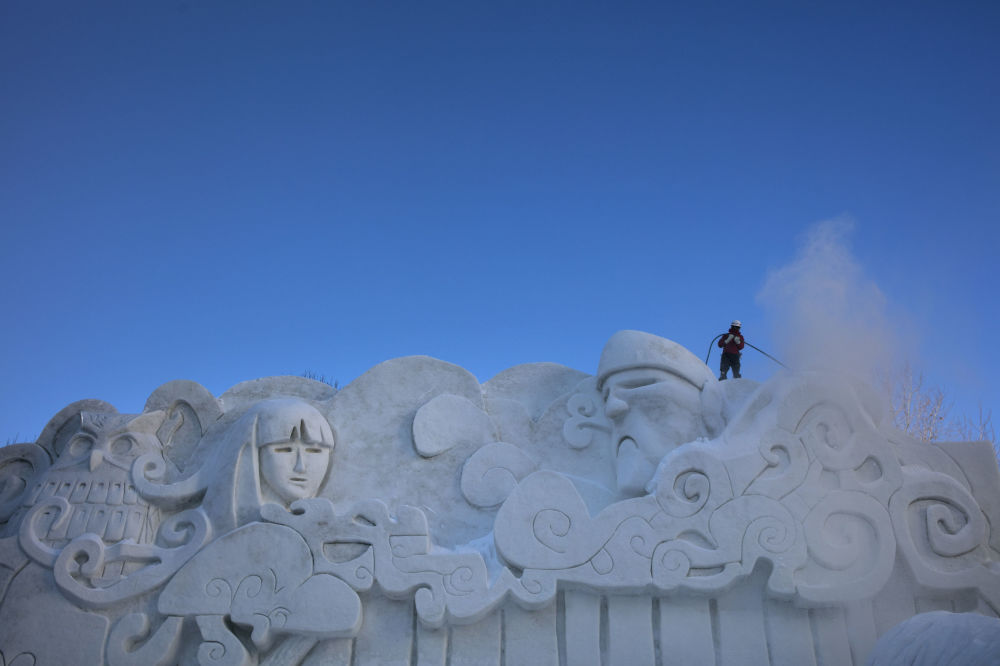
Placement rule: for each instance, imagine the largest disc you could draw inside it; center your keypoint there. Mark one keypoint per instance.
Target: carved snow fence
(646, 515)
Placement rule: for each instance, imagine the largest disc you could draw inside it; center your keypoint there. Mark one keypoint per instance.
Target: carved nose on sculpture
(615, 407)
(96, 458)
(299, 465)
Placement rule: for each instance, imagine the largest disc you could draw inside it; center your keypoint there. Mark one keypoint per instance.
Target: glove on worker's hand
(737, 339)
(729, 339)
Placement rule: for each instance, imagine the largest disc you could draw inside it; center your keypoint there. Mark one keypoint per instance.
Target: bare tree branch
(924, 412)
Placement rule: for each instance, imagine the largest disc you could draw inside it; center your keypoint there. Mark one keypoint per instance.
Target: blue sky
(219, 191)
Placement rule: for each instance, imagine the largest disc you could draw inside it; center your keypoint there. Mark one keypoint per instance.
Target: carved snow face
(652, 412)
(105, 440)
(294, 469)
(92, 471)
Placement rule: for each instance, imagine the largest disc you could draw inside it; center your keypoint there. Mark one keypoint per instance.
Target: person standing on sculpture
(731, 343)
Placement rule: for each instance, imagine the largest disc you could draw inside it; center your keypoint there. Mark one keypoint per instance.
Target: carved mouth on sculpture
(633, 469)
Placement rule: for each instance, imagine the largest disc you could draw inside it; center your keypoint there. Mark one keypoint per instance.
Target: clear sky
(225, 190)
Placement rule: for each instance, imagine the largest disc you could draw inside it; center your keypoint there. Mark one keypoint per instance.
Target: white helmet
(736, 323)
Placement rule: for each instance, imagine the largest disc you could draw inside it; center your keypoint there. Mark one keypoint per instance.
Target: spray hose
(712, 344)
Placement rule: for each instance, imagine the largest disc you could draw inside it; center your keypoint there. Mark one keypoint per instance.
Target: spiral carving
(836, 529)
(211, 652)
(430, 606)
(460, 582)
(86, 553)
(835, 544)
(151, 467)
(29, 535)
(550, 526)
(849, 535)
(250, 587)
(149, 472)
(219, 588)
(771, 534)
(828, 434)
(279, 616)
(638, 544)
(219, 646)
(787, 465)
(363, 577)
(585, 418)
(953, 523)
(490, 474)
(187, 527)
(692, 480)
(693, 487)
(535, 587)
(157, 649)
(670, 565)
(951, 535)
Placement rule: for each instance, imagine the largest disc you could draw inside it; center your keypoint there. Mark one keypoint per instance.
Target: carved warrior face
(652, 412)
(105, 439)
(652, 391)
(92, 472)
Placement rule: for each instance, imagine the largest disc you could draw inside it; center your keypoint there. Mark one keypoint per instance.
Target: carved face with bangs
(294, 469)
(652, 412)
(294, 443)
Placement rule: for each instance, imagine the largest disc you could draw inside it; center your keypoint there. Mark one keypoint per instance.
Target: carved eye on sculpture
(80, 445)
(639, 382)
(628, 381)
(282, 449)
(314, 449)
(122, 446)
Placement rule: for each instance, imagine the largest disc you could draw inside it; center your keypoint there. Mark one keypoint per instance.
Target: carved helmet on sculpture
(627, 350)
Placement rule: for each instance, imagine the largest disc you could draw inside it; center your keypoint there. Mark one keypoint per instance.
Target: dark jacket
(733, 346)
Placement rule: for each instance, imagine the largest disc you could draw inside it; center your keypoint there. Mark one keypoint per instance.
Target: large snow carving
(648, 514)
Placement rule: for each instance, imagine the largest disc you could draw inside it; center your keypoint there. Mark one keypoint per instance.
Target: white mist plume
(825, 313)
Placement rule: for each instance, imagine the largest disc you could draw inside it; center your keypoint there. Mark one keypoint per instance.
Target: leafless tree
(925, 411)
(979, 428)
(916, 409)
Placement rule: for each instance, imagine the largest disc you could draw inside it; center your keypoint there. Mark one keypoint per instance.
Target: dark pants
(729, 361)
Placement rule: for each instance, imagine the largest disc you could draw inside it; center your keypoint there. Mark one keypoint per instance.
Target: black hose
(712, 344)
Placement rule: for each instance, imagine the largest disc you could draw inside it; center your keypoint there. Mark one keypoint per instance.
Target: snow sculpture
(648, 514)
(938, 637)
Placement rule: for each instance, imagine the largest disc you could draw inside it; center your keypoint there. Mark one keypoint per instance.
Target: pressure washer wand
(768, 355)
(712, 344)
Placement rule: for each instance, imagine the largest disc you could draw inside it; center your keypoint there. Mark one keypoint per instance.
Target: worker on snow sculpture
(731, 343)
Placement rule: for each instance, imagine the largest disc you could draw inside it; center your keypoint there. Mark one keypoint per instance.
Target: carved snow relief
(646, 514)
